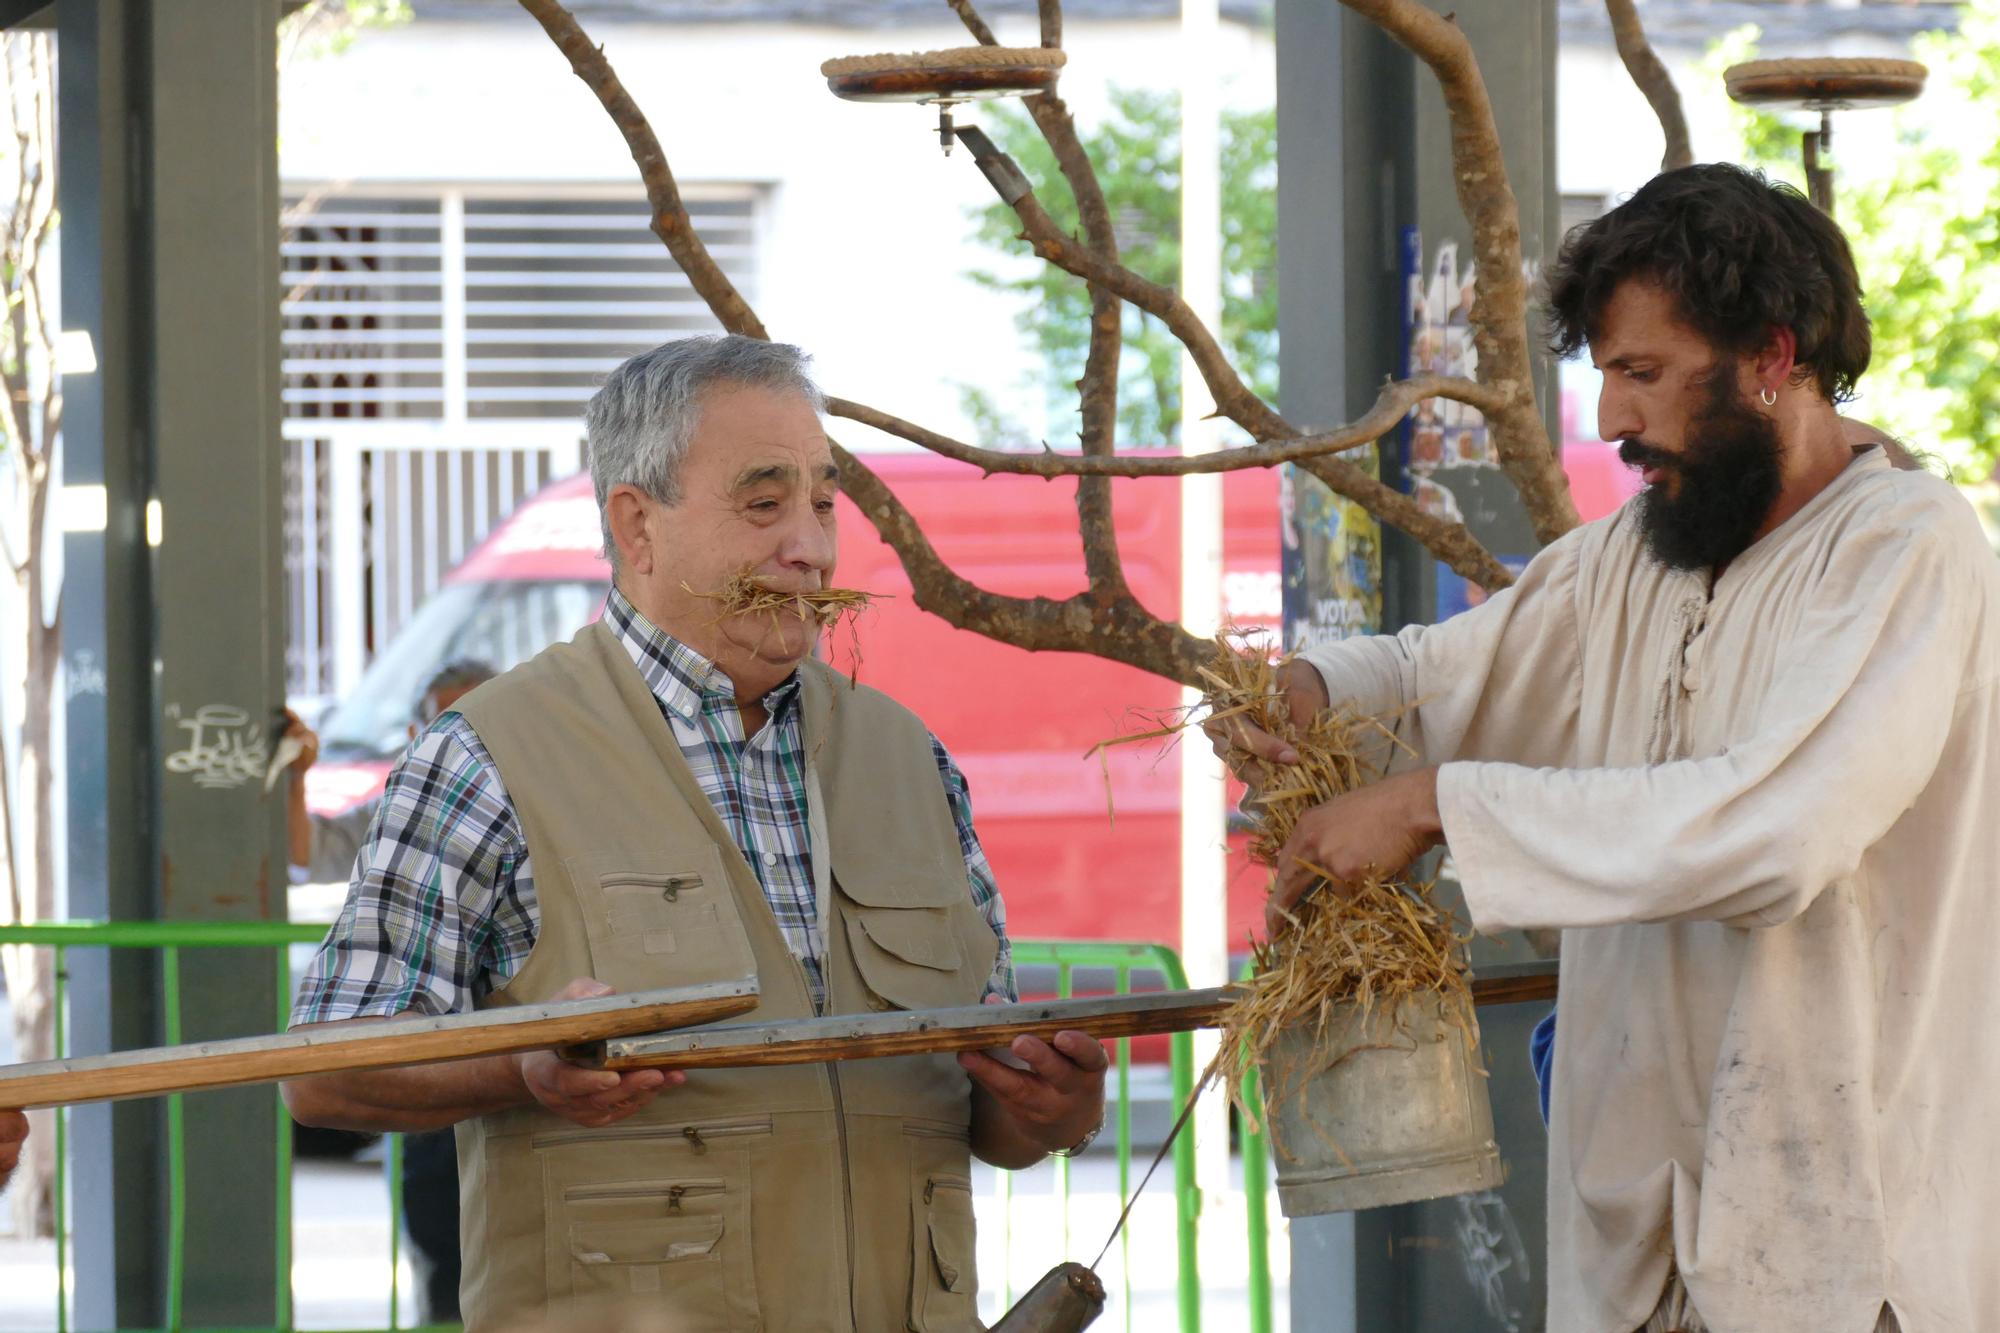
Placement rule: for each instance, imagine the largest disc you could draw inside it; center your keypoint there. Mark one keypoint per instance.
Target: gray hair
(639, 423)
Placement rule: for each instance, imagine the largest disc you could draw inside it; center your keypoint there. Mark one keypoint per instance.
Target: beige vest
(813, 1197)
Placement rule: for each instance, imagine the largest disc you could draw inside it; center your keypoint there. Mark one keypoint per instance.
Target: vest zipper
(698, 1136)
(673, 1192)
(846, 1186)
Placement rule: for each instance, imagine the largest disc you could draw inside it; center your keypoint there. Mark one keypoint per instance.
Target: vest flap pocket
(911, 884)
(945, 1287)
(951, 1251)
(909, 959)
(680, 1247)
(654, 1241)
(921, 936)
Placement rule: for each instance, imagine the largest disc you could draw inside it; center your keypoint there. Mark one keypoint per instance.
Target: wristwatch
(1076, 1149)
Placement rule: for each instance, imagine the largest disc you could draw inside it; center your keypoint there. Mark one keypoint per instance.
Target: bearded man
(1736, 742)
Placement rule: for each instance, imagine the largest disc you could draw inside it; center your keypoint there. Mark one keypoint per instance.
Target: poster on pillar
(1440, 436)
(1331, 557)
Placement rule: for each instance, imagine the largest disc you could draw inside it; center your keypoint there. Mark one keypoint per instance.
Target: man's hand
(1057, 1099)
(296, 729)
(1377, 829)
(1233, 737)
(13, 1134)
(590, 1097)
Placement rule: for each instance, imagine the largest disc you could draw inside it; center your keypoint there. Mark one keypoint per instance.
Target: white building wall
(868, 226)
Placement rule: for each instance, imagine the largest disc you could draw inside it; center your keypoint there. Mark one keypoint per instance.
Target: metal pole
(1204, 833)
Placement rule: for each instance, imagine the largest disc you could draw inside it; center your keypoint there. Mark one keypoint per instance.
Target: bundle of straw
(744, 593)
(1381, 944)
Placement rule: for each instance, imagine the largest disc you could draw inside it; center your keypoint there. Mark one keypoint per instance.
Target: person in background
(324, 848)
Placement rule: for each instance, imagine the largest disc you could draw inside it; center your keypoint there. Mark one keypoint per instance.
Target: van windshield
(499, 623)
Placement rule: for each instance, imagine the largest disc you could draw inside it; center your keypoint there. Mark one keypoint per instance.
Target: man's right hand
(590, 1097)
(1236, 740)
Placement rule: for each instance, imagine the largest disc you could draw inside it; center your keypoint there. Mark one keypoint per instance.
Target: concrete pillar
(168, 125)
(1364, 154)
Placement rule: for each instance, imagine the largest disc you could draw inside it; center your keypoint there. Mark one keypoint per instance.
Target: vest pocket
(659, 922)
(944, 1286)
(910, 957)
(677, 1249)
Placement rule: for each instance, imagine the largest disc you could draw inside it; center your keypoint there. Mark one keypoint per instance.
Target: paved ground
(342, 1274)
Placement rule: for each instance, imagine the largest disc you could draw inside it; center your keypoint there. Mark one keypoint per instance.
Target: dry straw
(1377, 945)
(743, 593)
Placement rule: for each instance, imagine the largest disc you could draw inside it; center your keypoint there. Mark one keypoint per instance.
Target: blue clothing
(1542, 1055)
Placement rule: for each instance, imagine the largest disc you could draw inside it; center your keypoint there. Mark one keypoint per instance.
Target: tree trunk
(31, 972)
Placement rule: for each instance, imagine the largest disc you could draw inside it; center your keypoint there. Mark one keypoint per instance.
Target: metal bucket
(1387, 1108)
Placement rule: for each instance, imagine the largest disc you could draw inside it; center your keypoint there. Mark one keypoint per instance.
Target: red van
(1073, 858)
(1076, 857)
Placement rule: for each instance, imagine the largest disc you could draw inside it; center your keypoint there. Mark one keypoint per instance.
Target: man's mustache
(1637, 454)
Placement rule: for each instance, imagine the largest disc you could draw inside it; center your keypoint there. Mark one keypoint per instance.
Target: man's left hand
(1377, 829)
(1058, 1098)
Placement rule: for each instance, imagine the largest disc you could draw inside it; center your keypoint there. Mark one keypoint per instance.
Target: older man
(1737, 740)
(681, 795)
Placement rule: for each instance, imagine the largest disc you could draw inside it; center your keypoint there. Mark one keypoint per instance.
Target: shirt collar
(682, 679)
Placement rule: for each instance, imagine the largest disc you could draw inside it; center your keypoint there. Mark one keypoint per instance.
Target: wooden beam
(907, 1031)
(342, 1048)
(967, 1028)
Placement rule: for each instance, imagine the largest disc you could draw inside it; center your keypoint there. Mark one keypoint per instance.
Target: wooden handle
(967, 1028)
(908, 1032)
(349, 1047)
(1514, 990)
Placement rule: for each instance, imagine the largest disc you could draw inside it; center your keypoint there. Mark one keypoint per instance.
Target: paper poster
(1331, 556)
(1440, 435)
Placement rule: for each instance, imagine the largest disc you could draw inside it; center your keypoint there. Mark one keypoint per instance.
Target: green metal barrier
(1066, 956)
(1123, 959)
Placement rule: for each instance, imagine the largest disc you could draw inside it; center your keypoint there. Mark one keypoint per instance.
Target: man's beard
(1728, 479)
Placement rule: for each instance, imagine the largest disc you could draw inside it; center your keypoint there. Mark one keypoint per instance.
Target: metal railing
(1067, 957)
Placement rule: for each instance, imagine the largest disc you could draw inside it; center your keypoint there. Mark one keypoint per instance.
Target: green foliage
(1137, 155)
(329, 27)
(1926, 239)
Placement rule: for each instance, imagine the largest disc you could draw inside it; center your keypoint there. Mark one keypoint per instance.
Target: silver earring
(1768, 397)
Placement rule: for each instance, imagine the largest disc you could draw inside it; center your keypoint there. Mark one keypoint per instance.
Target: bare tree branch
(1654, 80)
(973, 23)
(1450, 542)
(1105, 620)
(670, 216)
(1098, 390)
(1500, 291)
(1233, 397)
(1122, 630)
(1391, 405)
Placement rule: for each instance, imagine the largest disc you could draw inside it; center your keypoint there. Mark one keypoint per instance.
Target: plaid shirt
(441, 909)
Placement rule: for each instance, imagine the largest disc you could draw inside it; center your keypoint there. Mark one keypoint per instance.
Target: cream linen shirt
(1765, 811)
